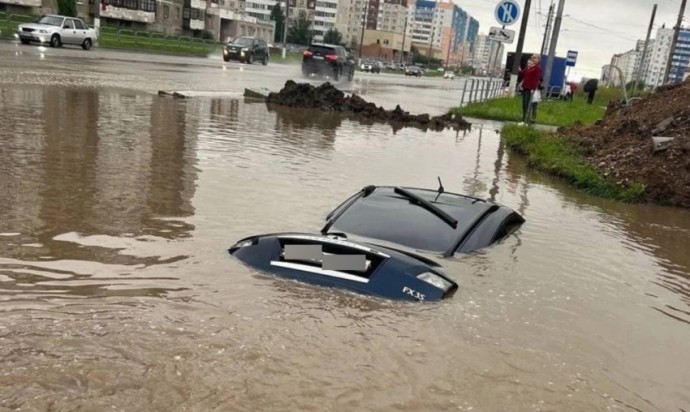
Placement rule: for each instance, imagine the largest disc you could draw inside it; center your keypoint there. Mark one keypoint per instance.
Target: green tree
(333, 36)
(278, 17)
(67, 8)
(300, 31)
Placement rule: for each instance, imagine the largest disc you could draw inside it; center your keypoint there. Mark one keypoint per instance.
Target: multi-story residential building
(381, 26)
(651, 68)
(442, 29)
(325, 17)
(606, 74)
(628, 64)
(227, 19)
(487, 55)
(658, 57)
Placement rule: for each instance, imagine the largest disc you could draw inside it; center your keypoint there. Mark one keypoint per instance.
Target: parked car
(370, 66)
(331, 60)
(57, 30)
(449, 75)
(246, 49)
(413, 71)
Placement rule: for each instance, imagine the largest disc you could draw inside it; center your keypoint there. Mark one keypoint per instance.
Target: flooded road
(117, 291)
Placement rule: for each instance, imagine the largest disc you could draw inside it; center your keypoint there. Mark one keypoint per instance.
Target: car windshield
(49, 20)
(244, 41)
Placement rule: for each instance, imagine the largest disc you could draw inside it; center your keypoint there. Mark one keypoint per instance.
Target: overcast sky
(596, 29)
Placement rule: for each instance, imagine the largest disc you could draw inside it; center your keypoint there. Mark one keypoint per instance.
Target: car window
(321, 50)
(69, 24)
(244, 41)
(50, 20)
(79, 25)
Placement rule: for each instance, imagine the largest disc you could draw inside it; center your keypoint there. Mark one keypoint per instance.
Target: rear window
(322, 50)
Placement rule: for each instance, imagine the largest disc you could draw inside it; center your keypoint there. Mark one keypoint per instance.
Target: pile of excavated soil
(621, 147)
(327, 97)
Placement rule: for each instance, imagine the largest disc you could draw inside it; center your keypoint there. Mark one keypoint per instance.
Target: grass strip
(547, 152)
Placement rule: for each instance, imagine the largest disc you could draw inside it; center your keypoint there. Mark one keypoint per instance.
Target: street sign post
(501, 34)
(507, 12)
(571, 58)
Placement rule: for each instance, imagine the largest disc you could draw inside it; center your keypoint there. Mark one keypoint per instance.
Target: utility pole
(552, 46)
(518, 51)
(285, 26)
(364, 26)
(644, 52)
(450, 43)
(675, 40)
(402, 52)
(547, 32)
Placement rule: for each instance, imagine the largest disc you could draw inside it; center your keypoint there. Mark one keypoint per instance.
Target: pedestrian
(590, 88)
(531, 77)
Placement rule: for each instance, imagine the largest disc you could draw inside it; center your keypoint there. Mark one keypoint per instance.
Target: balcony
(143, 11)
(28, 3)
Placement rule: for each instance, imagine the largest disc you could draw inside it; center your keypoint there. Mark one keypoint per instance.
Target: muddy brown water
(117, 292)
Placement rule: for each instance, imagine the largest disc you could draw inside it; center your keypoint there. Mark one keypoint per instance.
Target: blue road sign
(571, 58)
(507, 12)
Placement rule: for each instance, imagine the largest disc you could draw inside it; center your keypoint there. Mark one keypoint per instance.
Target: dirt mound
(328, 97)
(622, 144)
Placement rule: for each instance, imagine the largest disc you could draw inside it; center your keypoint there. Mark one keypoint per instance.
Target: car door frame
(81, 34)
(68, 36)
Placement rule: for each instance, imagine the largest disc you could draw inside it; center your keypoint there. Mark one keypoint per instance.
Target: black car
(246, 49)
(330, 60)
(335, 262)
(422, 219)
(413, 71)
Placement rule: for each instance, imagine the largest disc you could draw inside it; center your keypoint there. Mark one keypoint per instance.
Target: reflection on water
(118, 208)
(81, 161)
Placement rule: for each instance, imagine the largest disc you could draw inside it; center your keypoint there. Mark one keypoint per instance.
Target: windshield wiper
(429, 206)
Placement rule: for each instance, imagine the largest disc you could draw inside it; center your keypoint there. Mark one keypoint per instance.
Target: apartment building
(628, 64)
(487, 55)
(443, 30)
(654, 66)
(380, 27)
(228, 19)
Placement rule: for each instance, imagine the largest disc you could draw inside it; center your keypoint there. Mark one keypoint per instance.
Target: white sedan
(57, 30)
(449, 75)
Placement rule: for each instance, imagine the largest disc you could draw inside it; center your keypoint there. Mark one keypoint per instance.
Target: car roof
(324, 44)
(422, 219)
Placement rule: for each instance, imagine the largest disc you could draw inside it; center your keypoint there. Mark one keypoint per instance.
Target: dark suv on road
(246, 50)
(328, 60)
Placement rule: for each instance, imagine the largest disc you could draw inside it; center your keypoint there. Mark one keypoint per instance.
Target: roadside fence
(9, 23)
(476, 90)
(113, 37)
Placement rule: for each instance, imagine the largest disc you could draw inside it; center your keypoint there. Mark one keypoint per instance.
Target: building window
(166, 11)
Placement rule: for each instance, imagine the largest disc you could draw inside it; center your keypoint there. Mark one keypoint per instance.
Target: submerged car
(247, 49)
(57, 30)
(329, 60)
(433, 221)
(333, 261)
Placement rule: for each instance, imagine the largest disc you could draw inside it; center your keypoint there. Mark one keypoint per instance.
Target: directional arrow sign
(502, 35)
(507, 12)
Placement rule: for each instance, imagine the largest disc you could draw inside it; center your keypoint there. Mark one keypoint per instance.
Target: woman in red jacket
(531, 77)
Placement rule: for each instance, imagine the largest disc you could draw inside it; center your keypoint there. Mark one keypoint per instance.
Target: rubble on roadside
(646, 142)
(327, 97)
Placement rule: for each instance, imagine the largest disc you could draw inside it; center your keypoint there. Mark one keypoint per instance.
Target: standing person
(590, 88)
(531, 76)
